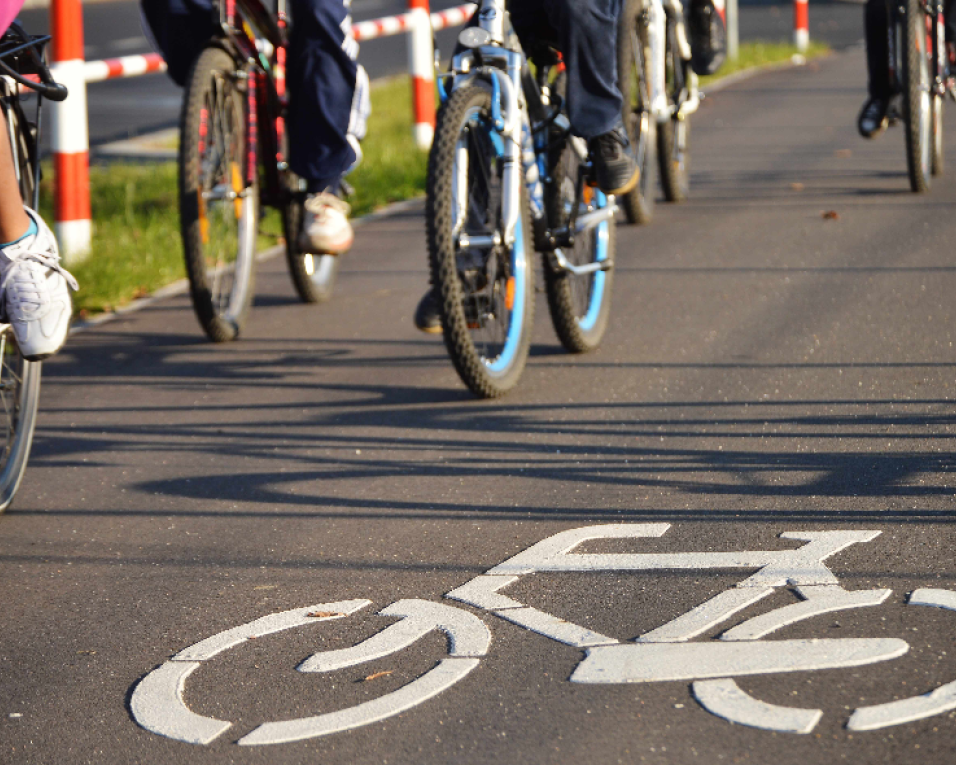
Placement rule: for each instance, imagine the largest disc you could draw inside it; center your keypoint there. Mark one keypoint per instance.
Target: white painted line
(157, 705)
(447, 673)
(940, 700)
(660, 662)
(931, 597)
(707, 615)
(482, 592)
(467, 635)
(297, 617)
(943, 699)
(801, 566)
(726, 699)
(555, 628)
(552, 554)
(820, 599)
(804, 566)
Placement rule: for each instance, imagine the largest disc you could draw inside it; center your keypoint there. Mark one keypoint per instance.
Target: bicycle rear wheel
(673, 137)
(313, 275)
(19, 378)
(917, 100)
(939, 161)
(486, 286)
(218, 211)
(638, 204)
(580, 304)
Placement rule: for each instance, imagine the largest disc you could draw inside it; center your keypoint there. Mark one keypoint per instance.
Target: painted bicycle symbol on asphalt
(667, 653)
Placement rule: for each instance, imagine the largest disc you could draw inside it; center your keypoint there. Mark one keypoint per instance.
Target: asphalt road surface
(127, 107)
(771, 408)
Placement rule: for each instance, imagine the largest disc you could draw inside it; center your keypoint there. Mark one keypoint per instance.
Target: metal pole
(733, 34)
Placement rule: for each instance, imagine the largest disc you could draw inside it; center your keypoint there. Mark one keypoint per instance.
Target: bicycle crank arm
(594, 218)
(661, 662)
(561, 263)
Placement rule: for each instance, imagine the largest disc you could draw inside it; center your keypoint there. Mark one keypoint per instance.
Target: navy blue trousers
(585, 31)
(328, 90)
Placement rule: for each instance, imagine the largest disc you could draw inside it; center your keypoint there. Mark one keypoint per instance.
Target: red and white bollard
(801, 24)
(70, 134)
(421, 66)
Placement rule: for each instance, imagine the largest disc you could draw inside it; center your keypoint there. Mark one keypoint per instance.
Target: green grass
(136, 243)
(759, 54)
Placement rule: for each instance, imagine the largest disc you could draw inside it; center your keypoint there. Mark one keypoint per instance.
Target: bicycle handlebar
(45, 86)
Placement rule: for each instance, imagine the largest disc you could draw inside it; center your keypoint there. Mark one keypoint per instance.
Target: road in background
(125, 108)
(780, 360)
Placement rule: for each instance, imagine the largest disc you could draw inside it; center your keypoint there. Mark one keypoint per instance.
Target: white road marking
(820, 599)
(553, 553)
(157, 705)
(482, 592)
(709, 614)
(447, 673)
(942, 699)
(467, 635)
(297, 617)
(726, 699)
(659, 662)
(555, 628)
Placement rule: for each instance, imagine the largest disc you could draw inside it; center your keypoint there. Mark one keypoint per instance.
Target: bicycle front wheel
(939, 162)
(917, 100)
(580, 304)
(19, 378)
(673, 137)
(485, 284)
(638, 204)
(218, 211)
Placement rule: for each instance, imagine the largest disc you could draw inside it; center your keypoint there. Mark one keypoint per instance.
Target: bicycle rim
(486, 288)
(313, 276)
(917, 106)
(638, 204)
(19, 400)
(219, 211)
(579, 304)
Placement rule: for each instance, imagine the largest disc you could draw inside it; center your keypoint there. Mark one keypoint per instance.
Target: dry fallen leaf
(324, 614)
(796, 186)
(87, 653)
(831, 215)
(376, 675)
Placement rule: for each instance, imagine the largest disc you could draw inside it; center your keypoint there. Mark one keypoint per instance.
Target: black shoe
(614, 162)
(708, 37)
(873, 119)
(428, 313)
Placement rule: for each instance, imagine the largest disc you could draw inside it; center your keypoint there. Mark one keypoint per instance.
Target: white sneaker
(326, 228)
(34, 294)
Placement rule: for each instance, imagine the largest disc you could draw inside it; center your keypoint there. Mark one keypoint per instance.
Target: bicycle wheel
(917, 101)
(218, 213)
(579, 304)
(638, 204)
(486, 287)
(939, 161)
(19, 378)
(313, 275)
(673, 137)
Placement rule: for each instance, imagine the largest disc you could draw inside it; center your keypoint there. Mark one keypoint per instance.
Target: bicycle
(232, 161)
(920, 77)
(505, 177)
(660, 92)
(22, 65)
(671, 652)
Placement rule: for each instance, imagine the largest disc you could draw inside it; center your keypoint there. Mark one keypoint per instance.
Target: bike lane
(771, 375)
